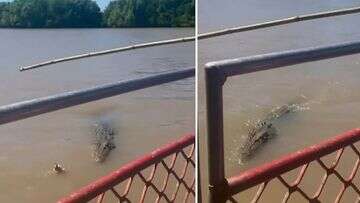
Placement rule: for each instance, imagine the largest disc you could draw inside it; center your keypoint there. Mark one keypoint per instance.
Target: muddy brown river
(327, 91)
(143, 119)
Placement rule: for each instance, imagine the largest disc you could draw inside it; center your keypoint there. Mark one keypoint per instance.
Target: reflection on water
(327, 90)
(143, 120)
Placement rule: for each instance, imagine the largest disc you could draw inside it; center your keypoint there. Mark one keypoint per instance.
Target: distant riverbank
(87, 14)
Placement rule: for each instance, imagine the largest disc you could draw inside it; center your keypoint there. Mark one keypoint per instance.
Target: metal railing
(183, 176)
(216, 74)
(34, 107)
(181, 150)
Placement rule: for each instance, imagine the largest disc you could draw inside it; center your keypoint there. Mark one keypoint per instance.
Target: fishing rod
(203, 36)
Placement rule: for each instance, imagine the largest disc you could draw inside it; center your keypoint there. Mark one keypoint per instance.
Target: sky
(102, 3)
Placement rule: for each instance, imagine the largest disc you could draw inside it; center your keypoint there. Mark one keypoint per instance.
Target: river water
(143, 120)
(327, 91)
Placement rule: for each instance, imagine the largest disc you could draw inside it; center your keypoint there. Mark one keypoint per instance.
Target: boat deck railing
(222, 188)
(216, 74)
(173, 164)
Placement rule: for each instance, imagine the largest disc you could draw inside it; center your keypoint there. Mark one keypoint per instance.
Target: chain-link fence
(164, 175)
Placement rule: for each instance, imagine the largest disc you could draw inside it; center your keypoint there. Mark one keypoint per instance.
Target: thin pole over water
(283, 21)
(207, 35)
(109, 51)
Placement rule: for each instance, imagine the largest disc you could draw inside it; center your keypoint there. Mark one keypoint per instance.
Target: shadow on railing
(220, 187)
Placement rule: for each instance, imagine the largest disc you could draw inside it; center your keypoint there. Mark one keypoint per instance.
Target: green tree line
(86, 13)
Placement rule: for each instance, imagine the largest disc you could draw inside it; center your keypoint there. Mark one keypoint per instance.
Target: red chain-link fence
(165, 175)
(327, 172)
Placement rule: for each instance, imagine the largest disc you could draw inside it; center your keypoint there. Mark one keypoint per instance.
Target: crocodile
(262, 131)
(104, 141)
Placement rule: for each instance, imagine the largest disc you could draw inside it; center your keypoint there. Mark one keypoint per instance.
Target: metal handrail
(216, 74)
(262, 62)
(34, 107)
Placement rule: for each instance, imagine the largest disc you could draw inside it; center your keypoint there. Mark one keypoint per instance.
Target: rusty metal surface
(181, 151)
(31, 108)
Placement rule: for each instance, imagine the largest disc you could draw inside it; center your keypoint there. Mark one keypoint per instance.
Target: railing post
(215, 136)
(198, 180)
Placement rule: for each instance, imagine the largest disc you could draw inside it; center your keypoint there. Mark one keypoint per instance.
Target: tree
(4, 14)
(150, 13)
(86, 13)
(28, 13)
(73, 13)
(50, 13)
(120, 13)
(185, 14)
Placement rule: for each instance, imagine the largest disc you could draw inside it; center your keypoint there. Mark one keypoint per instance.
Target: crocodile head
(102, 150)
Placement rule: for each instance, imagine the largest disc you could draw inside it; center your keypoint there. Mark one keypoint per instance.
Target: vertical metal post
(215, 135)
(198, 194)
